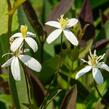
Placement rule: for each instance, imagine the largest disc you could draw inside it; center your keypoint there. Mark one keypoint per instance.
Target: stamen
(23, 30)
(63, 22)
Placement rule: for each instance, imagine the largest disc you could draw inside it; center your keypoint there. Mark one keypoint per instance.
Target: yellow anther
(63, 22)
(24, 30)
(93, 61)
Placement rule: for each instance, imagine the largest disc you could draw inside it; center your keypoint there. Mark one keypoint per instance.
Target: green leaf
(106, 26)
(6, 99)
(61, 82)
(4, 18)
(23, 94)
(86, 49)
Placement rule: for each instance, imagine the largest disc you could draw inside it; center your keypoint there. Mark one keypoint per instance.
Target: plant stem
(61, 41)
(106, 103)
(53, 80)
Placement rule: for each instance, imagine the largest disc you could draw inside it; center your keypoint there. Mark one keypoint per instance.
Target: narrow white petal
(15, 68)
(17, 35)
(72, 22)
(84, 61)
(102, 65)
(30, 34)
(83, 71)
(54, 35)
(7, 63)
(53, 24)
(71, 37)
(16, 44)
(31, 62)
(32, 43)
(97, 75)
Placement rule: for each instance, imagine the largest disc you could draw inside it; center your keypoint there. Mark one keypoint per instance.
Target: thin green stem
(53, 80)
(52, 98)
(106, 103)
(61, 41)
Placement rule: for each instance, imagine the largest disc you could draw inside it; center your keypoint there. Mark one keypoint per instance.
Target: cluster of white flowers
(63, 25)
(16, 46)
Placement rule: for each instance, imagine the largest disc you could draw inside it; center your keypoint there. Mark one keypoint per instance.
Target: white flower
(63, 25)
(94, 64)
(22, 36)
(15, 66)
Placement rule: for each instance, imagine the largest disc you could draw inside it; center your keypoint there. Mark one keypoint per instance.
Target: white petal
(30, 34)
(54, 35)
(16, 44)
(15, 68)
(7, 63)
(72, 22)
(31, 62)
(83, 71)
(53, 24)
(102, 65)
(71, 37)
(32, 43)
(17, 35)
(97, 75)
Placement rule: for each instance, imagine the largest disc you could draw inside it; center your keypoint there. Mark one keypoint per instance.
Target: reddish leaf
(38, 89)
(101, 44)
(60, 9)
(32, 17)
(86, 12)
(63, 7)
(69, 101)
(103, 17)
(86, 17)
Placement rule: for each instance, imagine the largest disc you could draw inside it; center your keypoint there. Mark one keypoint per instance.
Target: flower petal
(32, 43)
(17, 35)
(83, 71)
(15, 68)
(16, 44)
(30, 34)
(53, 24)
(102, 65)
(97, 75)
(7, 63)
(72, 22)
(30, 62)
(71, 37)
(54, 35)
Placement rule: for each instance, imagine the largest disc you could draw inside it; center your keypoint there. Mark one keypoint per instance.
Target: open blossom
(26, 60)
(95, 64)
(63, 25)
(22, 36)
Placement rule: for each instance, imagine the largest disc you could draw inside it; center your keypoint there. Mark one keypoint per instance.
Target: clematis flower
(26, 60)
(95, 64)
(22, 36)
(62, 26)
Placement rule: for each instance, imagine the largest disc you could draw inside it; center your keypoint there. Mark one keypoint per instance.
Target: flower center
(23, 30)
(93, 61)
(63, 22)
